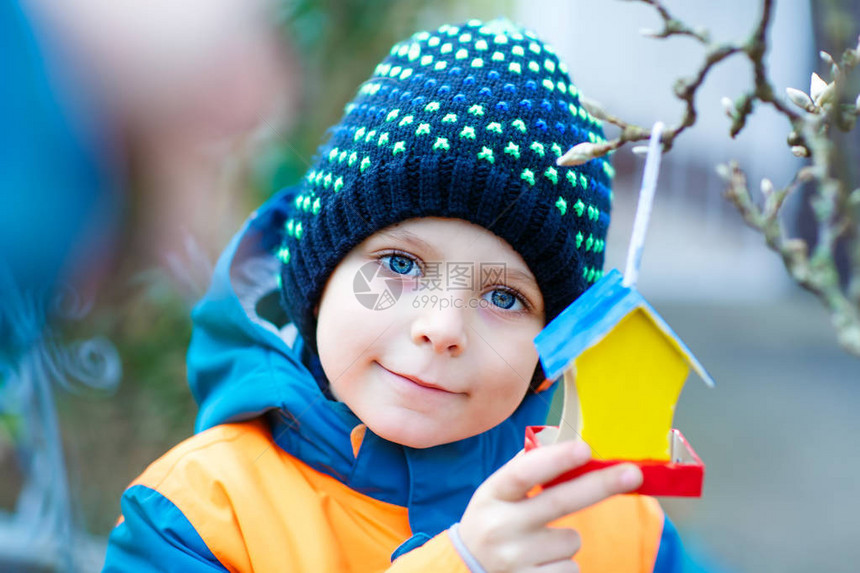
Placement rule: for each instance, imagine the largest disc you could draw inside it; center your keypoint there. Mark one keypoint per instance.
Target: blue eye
(400, 264)
(505, 299)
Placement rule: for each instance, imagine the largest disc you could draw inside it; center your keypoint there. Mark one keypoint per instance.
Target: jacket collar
(241, 365)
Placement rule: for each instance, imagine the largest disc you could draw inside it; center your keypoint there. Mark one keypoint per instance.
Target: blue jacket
(278, 468)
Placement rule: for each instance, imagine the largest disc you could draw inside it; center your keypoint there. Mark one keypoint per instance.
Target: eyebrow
(521, 276)
(407, 237)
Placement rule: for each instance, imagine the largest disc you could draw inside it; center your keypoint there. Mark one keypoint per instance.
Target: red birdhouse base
(682, 476)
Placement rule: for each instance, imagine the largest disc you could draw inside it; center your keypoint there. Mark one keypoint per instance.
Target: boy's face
(449, 354)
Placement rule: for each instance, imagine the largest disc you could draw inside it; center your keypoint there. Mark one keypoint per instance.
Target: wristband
(465, 554)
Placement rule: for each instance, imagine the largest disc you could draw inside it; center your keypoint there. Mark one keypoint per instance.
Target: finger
(517, 477)
(556, 544)
(577, 494)
(563, 566)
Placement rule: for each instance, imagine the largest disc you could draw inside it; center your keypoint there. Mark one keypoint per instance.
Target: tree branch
(828, 105)
(672, 26)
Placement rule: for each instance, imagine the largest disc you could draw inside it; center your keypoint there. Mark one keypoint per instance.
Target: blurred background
(195, 112)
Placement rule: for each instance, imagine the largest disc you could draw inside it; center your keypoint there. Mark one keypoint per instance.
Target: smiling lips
(419, 382)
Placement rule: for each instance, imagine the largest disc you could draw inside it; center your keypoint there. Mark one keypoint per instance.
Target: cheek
(348, 338)
(515, 377)
(507, 383)
(513, 359)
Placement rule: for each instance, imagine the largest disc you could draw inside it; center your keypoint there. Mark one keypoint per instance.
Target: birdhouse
(623, 370)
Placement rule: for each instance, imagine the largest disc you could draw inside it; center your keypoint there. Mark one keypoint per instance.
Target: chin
(412, 438)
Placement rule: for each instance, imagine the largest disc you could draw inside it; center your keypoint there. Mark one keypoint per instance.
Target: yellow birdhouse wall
(628, 384)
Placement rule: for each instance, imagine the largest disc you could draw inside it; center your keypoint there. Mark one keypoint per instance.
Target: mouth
(419, 382)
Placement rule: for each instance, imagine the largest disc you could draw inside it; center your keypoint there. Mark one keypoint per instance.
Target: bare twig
(837, 212)
(686, 89)
(672, 26)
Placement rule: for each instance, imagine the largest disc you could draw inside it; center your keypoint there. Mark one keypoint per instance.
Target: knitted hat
(464, 122)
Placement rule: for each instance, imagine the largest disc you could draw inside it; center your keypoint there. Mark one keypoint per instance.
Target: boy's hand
(505, 530)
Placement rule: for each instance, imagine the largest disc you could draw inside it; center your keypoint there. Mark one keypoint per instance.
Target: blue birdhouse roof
(591, 317)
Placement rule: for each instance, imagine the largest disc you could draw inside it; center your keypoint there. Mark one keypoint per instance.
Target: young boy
(375, 425)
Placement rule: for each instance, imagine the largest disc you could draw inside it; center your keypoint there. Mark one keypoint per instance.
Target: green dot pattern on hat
(466, 121)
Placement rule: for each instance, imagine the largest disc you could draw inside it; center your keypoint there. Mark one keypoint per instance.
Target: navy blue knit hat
(464, 122)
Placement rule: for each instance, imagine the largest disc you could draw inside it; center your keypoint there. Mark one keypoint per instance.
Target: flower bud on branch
(595, 109)
(822, 93)
(837, 212)
(581, 153)
(816, 86)
(728, 106)
(800, 99)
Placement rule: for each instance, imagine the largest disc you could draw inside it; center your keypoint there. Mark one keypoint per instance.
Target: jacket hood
(243, 363)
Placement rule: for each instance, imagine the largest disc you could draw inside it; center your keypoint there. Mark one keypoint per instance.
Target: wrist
(466, 555)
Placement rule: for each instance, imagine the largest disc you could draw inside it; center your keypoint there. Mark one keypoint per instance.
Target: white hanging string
(643, 209)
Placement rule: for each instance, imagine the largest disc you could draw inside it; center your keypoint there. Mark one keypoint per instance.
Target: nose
(443, 328)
